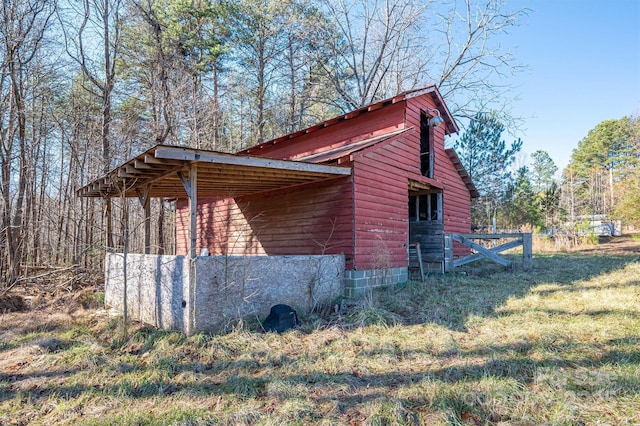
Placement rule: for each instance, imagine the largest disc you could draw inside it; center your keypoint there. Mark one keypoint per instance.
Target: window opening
(425, 207)
(426, 147)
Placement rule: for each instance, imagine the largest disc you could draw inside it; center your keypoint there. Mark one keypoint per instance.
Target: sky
(583, 67)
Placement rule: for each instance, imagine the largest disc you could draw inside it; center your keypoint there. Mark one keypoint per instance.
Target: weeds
(557, 346)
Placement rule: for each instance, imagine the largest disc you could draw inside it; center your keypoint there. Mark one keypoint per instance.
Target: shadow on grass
(445, 300)
(355, 387)
(451, 299)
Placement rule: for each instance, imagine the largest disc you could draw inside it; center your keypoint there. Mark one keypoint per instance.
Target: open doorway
(425, 207)
(426, 226)
(426, 146)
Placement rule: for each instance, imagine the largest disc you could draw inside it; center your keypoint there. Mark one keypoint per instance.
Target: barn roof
(162, 171)
(466, 178)
(431, 90)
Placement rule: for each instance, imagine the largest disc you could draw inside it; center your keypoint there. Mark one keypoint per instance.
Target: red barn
(404, 187)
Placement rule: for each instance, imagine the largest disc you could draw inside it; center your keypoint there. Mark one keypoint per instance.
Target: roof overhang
(162, 171)
(346, 149)
(453, 156)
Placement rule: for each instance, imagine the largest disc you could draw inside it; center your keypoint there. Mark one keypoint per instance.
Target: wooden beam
(482, 250)
(490, 236)
(185, 183)
(142, 165)
(185, 154)
(145, 200)
(478, 256)
(131, 169)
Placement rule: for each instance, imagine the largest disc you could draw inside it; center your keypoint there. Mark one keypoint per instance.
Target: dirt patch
(48, 302)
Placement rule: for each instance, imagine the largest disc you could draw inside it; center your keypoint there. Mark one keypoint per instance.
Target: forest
(86, 84)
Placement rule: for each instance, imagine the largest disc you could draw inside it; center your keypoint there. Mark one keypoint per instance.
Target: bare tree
(472, 62)
(22, 28)
(100, 23)
(371, 39)
(382, 47)
(259, 45)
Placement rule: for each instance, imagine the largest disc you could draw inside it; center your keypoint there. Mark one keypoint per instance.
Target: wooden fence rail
(523, 239)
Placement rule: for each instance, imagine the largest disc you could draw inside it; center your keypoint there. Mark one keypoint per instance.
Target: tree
(258, 44)
(487, 159)
(22, 29)
(549, 199)
(546, 189)
(371, 44)
(521, 206)
(628, 208)
(627, 187)
(382, 47)
(198, 33)
(605, 158)
(101, 17)
(543, 170)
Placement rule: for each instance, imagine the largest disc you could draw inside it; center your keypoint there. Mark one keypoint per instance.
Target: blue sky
(583, 59)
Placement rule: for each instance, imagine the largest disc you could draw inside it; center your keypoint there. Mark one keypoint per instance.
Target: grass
(559, 345)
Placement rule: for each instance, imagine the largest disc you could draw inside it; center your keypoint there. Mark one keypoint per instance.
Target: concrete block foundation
(359, 283)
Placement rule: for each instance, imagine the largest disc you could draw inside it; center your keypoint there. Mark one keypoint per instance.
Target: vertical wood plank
(527, 251)
(193, 209)
(448, 253)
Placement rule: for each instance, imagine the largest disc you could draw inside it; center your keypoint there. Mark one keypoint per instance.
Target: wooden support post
(191, 188)
(193, 210)
(146, 205)
(147, 226)
(527, 251)
(193, 241)
(108, 225)
(448, 253)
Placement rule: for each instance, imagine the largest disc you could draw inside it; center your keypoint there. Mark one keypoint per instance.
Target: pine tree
(487, 159)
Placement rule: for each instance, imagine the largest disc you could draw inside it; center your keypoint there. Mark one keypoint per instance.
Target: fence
(517, 239)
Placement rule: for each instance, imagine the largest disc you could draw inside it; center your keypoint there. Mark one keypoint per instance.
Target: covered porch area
(201, 293)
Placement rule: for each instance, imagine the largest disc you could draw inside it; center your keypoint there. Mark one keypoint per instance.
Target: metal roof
(163, 171)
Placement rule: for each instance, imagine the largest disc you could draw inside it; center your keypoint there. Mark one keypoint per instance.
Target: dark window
(426, 207)
(426, 147)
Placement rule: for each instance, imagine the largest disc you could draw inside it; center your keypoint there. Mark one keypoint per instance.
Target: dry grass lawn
(559, 345)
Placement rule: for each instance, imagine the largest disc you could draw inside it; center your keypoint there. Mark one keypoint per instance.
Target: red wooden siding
(365, 125)
(313, 219)
(364, 216)
(456, 196)
(381, 204)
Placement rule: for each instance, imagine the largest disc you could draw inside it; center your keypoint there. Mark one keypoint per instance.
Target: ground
(558, 346)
